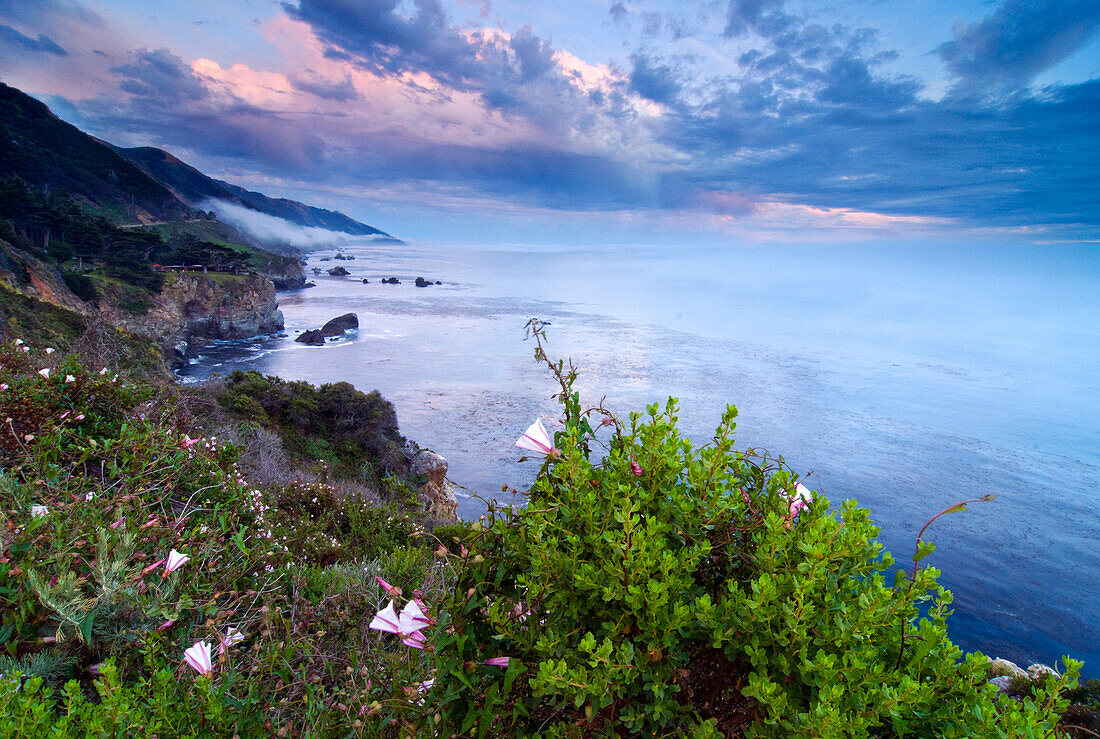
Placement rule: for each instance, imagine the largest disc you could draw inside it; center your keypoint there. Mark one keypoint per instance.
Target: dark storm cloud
(1020, 39)
(9, 35)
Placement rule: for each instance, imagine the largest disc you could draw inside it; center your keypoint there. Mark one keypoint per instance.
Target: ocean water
(907, 376)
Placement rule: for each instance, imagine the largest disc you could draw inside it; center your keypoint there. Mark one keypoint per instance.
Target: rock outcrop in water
(336, 327)
(340, 324)
(312, 337)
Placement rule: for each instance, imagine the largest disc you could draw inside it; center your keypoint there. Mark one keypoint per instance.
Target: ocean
(906, 375)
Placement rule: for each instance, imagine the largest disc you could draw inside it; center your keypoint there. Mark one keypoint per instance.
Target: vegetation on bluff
(650, 586)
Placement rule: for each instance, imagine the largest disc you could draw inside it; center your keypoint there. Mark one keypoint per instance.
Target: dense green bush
(662, 589)
(353, 432)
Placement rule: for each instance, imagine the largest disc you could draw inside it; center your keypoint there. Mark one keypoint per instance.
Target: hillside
(142, 184)
(193, 187)
(48, 153)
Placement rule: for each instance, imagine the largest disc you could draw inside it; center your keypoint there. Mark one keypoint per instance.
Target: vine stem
(956, 508)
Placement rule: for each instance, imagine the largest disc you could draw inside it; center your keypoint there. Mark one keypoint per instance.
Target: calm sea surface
(908, 377)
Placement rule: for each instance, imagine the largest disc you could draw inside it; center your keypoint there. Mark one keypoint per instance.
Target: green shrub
(668, 589)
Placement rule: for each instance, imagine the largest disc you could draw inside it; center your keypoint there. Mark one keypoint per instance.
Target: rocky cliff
(195, 309)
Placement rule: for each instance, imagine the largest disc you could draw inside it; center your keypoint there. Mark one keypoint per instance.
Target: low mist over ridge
(268, 228)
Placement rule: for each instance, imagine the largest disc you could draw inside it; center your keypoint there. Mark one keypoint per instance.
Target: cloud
(272, 229)
(160, 74)
(759, 113)
(743, 16)
(313, 83)
(658, 83)
(1021, 38)
(9, 35)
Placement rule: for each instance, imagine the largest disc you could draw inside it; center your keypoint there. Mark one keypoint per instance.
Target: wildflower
(26, 349)
(49, 350)
(96, 669)
(28, 437)
(90, 495)
(3, 386)
(802, 498)
(45, 372)
(69, 378)
(198, 657)
(175, 561)
(119, 522)
(39, 510)
(536, 439)
(407, 625)
(635, 469)
(78, 417)
(151, 567)
(498, 661)
(232, 636)
(103, 371)
(18, 342)
(167, 625)
(391, 590)
(188, 442)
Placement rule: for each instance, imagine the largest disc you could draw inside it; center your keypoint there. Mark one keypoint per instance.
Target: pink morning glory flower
(198, 657)
(175, 561)
(391, 590)
(45, 372)
(536, 439)
(498, 661)
(802, 497)
(232, 636)
(407, 625)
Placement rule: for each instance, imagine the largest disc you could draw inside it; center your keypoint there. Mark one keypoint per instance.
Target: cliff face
(194, 309)
(285, 272)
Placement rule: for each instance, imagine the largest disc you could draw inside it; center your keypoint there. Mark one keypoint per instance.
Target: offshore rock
(313, 337)
(338, 272)
(340, 324)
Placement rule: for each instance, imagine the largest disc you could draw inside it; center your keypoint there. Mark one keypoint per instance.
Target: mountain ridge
(139, 184)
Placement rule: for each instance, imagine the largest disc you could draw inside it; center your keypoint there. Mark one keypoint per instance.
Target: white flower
(18, 342)
(536, 439)
(198, 656)
(175, 561)
(39, 510)
(69, 378)
(232, 636)
(49, 350)
(45, 372)
(103, 371)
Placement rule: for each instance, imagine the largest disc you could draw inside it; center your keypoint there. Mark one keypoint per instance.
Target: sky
(610, 121)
